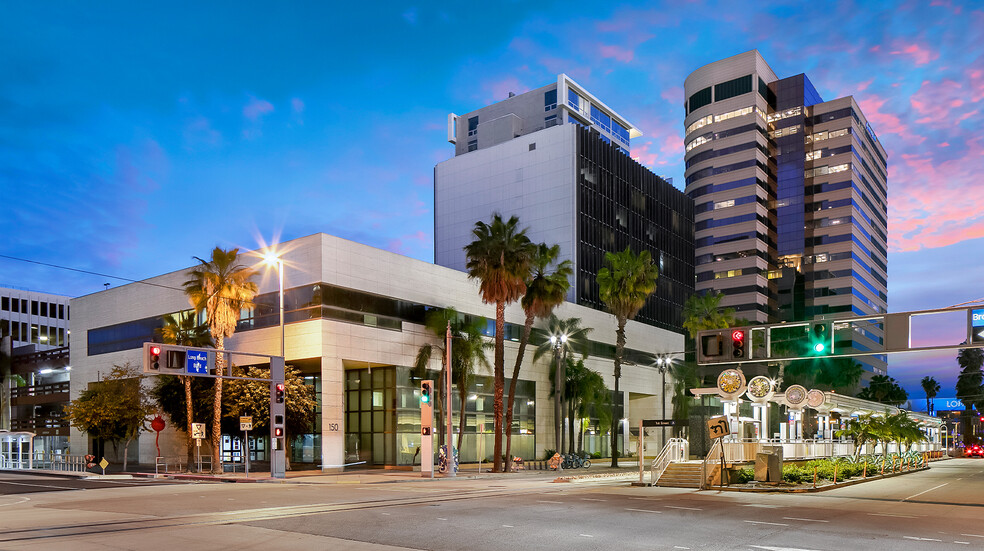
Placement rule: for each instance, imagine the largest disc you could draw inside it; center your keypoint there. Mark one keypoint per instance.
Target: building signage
(945, 404)
(718, 427)
(245, 423)
(198, 431)
(197, 362)
(977, 326)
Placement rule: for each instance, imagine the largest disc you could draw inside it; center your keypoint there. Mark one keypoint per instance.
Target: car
(975, 450)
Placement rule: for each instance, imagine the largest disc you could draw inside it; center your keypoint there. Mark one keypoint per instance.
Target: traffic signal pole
(278, 411)
(452, 467)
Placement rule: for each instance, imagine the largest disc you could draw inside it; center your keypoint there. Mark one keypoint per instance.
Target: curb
(813, 490)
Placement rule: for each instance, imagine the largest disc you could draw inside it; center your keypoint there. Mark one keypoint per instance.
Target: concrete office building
(790, 197)
(354, 324)
(557, 158)
(34, 318)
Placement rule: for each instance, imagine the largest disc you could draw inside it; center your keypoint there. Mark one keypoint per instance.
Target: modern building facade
(790, 196)
(34, 318)
(557, 158)
(355, 321)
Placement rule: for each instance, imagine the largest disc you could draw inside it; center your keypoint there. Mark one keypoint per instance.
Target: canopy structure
(16, 450)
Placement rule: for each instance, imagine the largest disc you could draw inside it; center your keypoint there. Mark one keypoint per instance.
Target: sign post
(718, 427)
(246, 425)
(198, 433)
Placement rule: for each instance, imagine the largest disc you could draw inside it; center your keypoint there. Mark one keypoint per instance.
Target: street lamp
(558, 343)
(663, 365)
(275, 261)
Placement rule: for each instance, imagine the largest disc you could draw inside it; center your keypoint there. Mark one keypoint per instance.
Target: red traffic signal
(155, 357)
(278, 432)
(738, 344)
(281, 388)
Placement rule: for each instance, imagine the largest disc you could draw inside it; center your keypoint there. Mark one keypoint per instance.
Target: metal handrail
(711, 454)
(676, 449)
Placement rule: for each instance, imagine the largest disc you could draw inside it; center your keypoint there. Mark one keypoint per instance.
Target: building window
(5, 304)
(34, 307)
(550, 121)
(532, 146)
(700, 99)
(573, 100)
(472, 125)
(550, 100)
(732, 88)
(472, 145)
(44, 309)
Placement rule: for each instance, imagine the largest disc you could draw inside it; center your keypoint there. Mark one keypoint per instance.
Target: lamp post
(278, 263)
(558, 343)
(663, 365)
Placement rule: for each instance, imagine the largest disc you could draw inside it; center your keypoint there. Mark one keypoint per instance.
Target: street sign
(664, 423)
(196, 362)
(977, 326)
(198, 431)
(718, 427)
(245, 423)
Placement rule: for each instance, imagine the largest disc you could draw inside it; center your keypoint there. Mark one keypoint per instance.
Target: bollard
(865, 473)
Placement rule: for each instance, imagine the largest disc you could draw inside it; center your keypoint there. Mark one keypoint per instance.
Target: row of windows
(721, 134)
(20, 331)
(712, 188)
(716, 223)
(712, 205)
(721, 257)
(715, 170)
(709, 119)
(722, 91)
(784, 114)
(825, 135)
(788, 131)
(712, 153)
(37, 308)
(823, 170)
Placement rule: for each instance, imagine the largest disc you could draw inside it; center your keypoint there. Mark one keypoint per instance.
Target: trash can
(768, 464)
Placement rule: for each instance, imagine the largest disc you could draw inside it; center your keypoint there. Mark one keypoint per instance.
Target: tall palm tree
(183, 328)
(586, 395)
(931, 387)
(576, 342)
(624, 286)
(222, 288)
(545, 290)
(499, 258)
(704, 311)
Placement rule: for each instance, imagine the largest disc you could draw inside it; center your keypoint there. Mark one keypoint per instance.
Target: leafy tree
(625, 284)
(222, 288)
(114, 409)
(931, 387)
(587, 396)
(970, 389)
(861, 430)
(499, 258)
(576, 342)
(838, 374)
(545, 290)
(704, 311)
(252, 398)
(884, 389)
(183, 329)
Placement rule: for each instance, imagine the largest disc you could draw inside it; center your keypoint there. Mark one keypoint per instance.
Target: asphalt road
(17, 483)
(936, 509)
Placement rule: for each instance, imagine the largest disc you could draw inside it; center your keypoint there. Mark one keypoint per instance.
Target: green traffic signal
(818, 347)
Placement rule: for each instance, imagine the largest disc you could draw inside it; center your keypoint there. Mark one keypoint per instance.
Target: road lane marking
(678, 547)
(804, 519)
(22, 500)
(763, 522)
(508, 526)
(545, 501)
(763, 506)
(592, 499)
(891, 515)
(586, 535)
(686, 508)
(439, 518)
(972, 535)
(779, 548)
(41, 485)
(920, 539)
(962, 542)
(929, 490)
(387, 514)
(645, 511)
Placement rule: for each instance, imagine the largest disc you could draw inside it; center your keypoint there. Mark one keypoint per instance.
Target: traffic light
(425, 392)
(820, 338)
(278, 432)
(155, 357)
(281, 388)
(738, 343)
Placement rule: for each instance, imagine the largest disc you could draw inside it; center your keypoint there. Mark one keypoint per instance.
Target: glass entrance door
(370, 416)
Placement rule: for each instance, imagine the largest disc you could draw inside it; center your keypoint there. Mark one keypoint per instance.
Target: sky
(135, 135)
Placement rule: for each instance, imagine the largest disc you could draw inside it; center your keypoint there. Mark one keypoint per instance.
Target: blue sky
(134, 136)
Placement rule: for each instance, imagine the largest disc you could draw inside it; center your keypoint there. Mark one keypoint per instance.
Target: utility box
(768, 464)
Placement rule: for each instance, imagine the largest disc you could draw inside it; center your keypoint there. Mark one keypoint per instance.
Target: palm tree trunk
(439, 398)
(619, 349)
(217, 407)
(189, 414)
(500, 381)
(570, 427)
(523, 340)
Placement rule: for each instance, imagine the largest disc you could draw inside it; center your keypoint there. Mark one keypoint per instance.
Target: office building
(354, 324)
(557, 158)
(790, 198)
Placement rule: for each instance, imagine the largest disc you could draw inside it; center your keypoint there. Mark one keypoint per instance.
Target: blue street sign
(197, 363)
(977, 326)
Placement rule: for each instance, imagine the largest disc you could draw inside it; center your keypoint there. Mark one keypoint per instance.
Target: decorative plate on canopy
(760, 389)
(815, 398)
(796, 396)
(731, 383)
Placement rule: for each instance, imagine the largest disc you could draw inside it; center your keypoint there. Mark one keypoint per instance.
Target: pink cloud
(920, 54)
(296, 104)
(618, 53)
(864, 85)
(403, 243)
(255, 108)
(643, 155)
(673, 94)
(885, 122)
(500, 89)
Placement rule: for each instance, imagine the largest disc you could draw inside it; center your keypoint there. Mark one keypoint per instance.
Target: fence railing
(713, 454)
(676, 449)
(50, 461)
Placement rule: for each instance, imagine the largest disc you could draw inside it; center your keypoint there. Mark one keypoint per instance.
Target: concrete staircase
(681, 474)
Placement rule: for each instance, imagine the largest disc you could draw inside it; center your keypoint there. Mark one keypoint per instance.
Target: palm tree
(544, 291)
(500, 258)
(576, 342)
(861, 430)
(624, 289)
(704, 311)
(586, 395)
(222, 288)
(931, 387)
(970, 389)
(183, 329)
(467, 349)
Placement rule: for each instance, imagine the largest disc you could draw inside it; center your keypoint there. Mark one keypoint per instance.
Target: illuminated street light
(275, 261)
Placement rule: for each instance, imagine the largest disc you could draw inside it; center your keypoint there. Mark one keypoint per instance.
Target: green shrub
(596, 455)
(794, 475)
(547, 454)
(742, 476)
